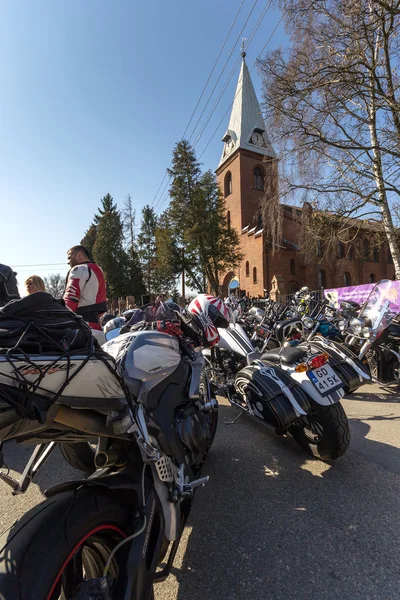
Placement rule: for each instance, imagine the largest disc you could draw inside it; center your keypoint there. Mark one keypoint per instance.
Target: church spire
(246, 129)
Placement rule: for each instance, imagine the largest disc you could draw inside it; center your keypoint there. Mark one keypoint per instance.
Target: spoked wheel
(325, 432)
(61, 544)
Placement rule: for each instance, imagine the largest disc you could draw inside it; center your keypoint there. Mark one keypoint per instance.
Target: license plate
(325, 380)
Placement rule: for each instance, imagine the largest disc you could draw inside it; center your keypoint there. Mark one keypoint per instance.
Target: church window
(372, 278)
(320, 248)
(321, 278)
(292, 267)
(254, 274)
(247, 268)
(259, 179)
(375, 254)
(228, 219)
(228, 184)
(367, 250)
(347, 279)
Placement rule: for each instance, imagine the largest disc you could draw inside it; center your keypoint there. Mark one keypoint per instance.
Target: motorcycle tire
(79, 455)
(46, 554)
(327, 435)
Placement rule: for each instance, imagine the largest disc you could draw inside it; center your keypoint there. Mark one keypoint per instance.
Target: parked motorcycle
(294, 390)
(147, 402)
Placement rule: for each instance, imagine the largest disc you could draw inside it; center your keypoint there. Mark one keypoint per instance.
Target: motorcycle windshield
(382, 305)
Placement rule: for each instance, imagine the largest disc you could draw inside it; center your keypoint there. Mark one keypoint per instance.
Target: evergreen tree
(201, 242)
(134, 275)
(108, 249)
(89, 238)
(147, 247)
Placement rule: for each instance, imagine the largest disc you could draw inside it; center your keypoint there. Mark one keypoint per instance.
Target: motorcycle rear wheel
(63, 541)
(326, 435)
(79, 455)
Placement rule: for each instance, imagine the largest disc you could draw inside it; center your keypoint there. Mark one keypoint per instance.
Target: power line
(201, 96)
(230, 106)
(254, 31)
(212, 70)
(252, 34)
(40, 265)
(224, 67)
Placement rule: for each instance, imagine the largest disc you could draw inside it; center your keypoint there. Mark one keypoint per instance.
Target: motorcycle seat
(287, 355)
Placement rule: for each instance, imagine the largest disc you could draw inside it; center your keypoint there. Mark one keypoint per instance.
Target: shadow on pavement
(273, 523)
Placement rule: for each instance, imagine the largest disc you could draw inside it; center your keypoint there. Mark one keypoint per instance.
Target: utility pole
(183, 274)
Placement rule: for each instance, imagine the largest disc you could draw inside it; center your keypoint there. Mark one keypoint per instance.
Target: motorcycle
(293, 390)
(374, 333)
(146, 400)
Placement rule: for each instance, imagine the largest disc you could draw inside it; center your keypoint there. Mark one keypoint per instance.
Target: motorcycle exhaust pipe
(109, 458)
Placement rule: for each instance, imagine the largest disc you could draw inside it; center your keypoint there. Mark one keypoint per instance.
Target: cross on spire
(243, 44)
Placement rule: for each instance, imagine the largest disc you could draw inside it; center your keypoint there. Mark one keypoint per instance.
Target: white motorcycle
(147, 405)
(295, 390)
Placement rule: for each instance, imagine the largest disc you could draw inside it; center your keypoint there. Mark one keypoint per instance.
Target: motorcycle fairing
(234, 339)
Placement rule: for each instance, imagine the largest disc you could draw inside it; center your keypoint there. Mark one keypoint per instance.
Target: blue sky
(94, 96)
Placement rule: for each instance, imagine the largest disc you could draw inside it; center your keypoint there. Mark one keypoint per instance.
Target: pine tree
(89, 238)
(204, 245)
(134, 275)
(108, 250)
(147, 247)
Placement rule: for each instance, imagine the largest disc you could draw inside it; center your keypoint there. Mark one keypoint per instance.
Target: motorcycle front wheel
(325, 432)
(63, 542)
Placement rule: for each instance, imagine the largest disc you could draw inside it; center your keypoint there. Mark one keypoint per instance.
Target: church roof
(246, 129)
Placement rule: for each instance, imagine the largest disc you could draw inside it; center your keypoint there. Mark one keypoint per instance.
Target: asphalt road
(273, 523)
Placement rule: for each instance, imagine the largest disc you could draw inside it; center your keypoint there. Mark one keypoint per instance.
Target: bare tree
(333, 98)
(55, 285)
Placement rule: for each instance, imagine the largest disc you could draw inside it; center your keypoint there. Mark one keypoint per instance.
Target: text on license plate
(325, 380)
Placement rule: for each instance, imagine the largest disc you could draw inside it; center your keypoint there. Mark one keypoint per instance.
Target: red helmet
(210, 313)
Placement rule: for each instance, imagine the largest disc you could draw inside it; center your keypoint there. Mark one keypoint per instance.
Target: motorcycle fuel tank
(234, 339)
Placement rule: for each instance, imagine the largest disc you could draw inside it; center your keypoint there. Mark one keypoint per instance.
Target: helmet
(105, 318)
(114, 323)
(210, 313)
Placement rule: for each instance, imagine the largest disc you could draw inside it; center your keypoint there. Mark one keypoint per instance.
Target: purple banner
(357, 293)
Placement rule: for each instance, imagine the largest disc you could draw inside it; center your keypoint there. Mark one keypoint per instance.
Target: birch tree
(333, 99)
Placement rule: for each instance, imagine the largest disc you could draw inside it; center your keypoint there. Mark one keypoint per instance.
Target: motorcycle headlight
(366, 332)
(356, 325)
(308, 323)
(341, 325)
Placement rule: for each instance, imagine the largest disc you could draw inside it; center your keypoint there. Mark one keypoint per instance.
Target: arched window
(347, 279)
(247, 268)
(259, 179)
(372, 278)
(228, 184)
(321, 278)
(340, 250)
(375, 254)
(228, 219)
(367, 250)
(292, 267)
(254, 274)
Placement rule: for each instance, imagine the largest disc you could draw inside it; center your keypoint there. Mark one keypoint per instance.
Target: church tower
(246, 164)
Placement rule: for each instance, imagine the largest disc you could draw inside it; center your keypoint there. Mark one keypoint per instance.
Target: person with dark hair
(8, 285)
(85, 290)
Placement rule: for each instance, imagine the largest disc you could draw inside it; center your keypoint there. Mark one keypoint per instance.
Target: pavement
(274, 523)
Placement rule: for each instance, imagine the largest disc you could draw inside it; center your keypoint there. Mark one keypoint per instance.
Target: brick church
(247, 172)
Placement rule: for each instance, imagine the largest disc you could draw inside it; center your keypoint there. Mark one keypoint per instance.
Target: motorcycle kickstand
(38, 457)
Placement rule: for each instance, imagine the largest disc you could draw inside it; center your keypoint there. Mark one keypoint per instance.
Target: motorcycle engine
(194, 430)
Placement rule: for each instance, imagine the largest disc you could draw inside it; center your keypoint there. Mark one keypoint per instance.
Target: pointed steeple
(246, 127)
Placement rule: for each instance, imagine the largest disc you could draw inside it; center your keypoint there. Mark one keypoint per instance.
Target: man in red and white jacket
(85, 291)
